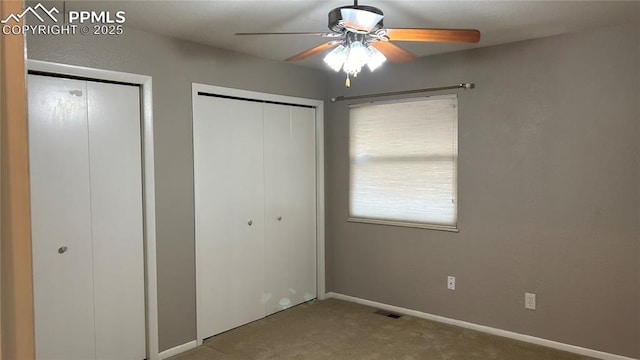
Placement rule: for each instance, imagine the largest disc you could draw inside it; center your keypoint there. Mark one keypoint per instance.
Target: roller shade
(403, 158)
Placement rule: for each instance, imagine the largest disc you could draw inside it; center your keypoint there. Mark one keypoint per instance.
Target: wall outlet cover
(530, 301)
(451, 282)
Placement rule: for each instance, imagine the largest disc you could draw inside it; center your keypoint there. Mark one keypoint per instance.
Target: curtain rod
(459, 86)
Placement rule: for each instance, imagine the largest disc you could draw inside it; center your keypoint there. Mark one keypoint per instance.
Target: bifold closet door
(116, 220)
(61, 218)
(290, 206)
(86, 201)
(229, 210)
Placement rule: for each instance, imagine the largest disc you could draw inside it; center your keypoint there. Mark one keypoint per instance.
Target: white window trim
(403, 224)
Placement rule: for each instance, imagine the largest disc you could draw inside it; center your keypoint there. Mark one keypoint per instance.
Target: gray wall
(174, 65)
(549, 193)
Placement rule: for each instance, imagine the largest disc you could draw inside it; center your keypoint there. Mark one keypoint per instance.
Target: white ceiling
(214, 22)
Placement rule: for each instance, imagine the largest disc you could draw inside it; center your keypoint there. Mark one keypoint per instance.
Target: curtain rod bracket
(464, 86)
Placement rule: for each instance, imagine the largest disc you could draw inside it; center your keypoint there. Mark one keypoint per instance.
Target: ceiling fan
(358, 38)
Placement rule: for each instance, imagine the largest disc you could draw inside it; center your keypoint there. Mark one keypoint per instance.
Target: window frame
(400, 223)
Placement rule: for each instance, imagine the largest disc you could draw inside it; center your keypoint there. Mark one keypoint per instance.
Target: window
(403, 162)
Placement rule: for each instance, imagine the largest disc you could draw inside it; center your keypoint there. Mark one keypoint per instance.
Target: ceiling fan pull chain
(347, 83)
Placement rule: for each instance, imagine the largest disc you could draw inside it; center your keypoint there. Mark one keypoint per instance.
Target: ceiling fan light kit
(353, 53)
(359, 39)
(355, 24)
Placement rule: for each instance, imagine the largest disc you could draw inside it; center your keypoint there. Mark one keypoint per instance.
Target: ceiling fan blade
(434, 35)
(393, 52)
(320, 48)
(323, 34)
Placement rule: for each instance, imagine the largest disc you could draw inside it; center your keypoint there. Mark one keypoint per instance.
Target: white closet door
(116, 211)
(86, 202)
(290, 206)
(60, 217)
(279, 249)
(229, 208)
(302, 203)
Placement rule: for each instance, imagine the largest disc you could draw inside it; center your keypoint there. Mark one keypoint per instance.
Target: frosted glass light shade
(336, 57)
(376, 58)
(358, 57)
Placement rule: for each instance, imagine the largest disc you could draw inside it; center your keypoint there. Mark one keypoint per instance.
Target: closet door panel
(290, 193)
(61, 218)
(116, 208)
(229, 208)
(279, 248)
(301, 202)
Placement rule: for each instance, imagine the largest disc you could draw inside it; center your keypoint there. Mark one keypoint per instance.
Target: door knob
(250, 222)
(62, 249)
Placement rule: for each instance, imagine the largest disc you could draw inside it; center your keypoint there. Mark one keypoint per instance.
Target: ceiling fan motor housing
(336, 22)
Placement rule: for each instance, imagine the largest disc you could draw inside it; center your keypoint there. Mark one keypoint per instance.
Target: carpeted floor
(335, 329)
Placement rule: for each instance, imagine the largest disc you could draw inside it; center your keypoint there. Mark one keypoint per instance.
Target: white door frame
(320, 206)
(148, 178)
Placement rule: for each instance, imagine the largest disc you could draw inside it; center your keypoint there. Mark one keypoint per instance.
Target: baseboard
(485, 329)
(178, 349)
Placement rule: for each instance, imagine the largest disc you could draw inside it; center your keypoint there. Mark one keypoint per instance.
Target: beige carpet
(335, 329)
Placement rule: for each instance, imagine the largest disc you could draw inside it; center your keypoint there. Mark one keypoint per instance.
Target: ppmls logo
(34, 11)
(101, 23)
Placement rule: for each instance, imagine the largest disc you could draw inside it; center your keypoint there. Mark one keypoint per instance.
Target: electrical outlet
(530, 301)
(451, 282)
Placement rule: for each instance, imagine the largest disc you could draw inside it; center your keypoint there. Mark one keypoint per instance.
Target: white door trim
(320, 206)
(148, 175)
